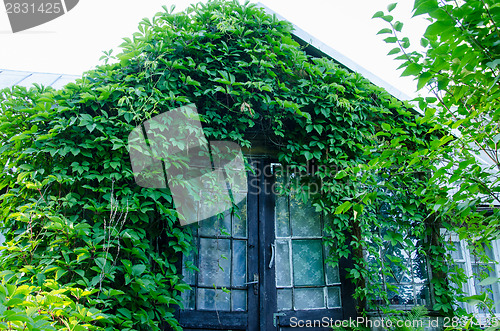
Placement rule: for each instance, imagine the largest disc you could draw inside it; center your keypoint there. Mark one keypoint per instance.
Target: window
(402, 267)
(468, 262)
(403, 274)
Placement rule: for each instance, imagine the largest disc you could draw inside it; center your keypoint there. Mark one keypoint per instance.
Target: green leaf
(318, 128)
(378, 14)
(17, 317)
(405, 42)
(387, 18)
(475, 299)
(341, 174)
(393, 237)
(393, 51)
(437, 28)
(493, 64)
(343, 207)
(423, 79)
(391, 6)
(412, 69)
(138, 269)
(398, 26)
(424, 7)
(125, 312)
(384, 30)
(489, 281)
(456, 124)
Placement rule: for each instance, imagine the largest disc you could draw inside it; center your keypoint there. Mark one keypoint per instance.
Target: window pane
(211, 299)
(188, 273)
(307, 262)
(285, 299)
(423, 295)
(332, 274)
(218, 225)
(457, 254)
(240, 220)
(306, 222)
(215, 262)
(239, 262)
(239, 302)
(282, 217)
(419, 268)
(188, 299)
(404, 296)
(481, 272)
(283, 275)
(334, 297)
(477, 253)
(309, 298)
(489, 252)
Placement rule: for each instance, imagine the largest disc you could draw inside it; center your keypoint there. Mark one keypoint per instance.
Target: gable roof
(317, 48)
(312, 45)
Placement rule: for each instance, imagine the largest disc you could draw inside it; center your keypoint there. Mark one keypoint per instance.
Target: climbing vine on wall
(72, 213)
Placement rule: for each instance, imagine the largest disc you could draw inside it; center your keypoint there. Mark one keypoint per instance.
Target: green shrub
(73, 216)
(47, 307)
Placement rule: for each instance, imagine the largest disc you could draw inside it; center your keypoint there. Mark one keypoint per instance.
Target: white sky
(73, 43)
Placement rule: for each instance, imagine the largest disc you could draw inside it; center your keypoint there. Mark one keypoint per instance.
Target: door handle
(255, 283)
(273, 253)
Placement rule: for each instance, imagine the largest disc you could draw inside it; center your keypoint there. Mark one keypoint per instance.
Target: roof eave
(317, 48)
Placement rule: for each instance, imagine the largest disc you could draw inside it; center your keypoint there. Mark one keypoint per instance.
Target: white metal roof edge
(28, 74)
(339, 57)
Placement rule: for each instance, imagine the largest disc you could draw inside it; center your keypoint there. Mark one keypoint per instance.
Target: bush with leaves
(47, 307)
(459, 65)
(70, 207)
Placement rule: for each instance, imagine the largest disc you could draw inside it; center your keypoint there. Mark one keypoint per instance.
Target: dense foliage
(458, 64)
(76, 222)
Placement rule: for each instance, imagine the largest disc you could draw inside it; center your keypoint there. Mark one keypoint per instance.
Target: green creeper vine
(73, 215)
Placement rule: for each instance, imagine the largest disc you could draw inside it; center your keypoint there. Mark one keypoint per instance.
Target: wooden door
(261, 267)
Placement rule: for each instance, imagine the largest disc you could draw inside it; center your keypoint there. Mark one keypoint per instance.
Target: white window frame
(469, 286)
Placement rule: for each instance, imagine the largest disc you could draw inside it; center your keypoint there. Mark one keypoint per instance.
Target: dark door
(303, 292)
(226, 288)
(261, 266)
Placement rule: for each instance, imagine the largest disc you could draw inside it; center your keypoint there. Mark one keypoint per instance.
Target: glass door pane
(221, 258)
(222, 267)
(303, 280)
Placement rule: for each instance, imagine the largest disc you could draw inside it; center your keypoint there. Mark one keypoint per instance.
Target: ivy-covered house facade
(319, 236)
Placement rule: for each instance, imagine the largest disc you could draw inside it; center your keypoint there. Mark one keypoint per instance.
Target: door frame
(236, 320)
(262, 306)
(268, 289)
